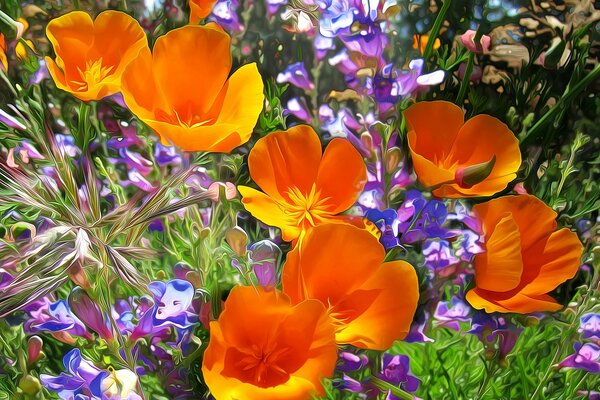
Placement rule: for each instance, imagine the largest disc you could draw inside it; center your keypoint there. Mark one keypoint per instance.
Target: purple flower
(297, 107)
(90, 313)
(137, 179)
(337, 17)
(416, 334)
(172, 301)
(167, 155)
(66, 144)
(225, 14)
(587, 357)
(438, 254)
(273, 5)
(590, 326)
(11, 121)
(349, 384)
(297, 75)
(322, 46)
(421, 219)
(82, 381)
(55, 317)
(349, 362)
(265, 256)
(127, 139)
(5, 278)
(41, 74)
(387, 223)
(451, 313)
(396, 370)
(494, 329)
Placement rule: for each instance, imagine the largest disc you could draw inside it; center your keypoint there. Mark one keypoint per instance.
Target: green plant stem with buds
(564, 101)
(435, 30)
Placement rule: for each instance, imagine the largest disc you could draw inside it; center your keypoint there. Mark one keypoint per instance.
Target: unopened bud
(472, 175)
(237, 239)
(393, 159)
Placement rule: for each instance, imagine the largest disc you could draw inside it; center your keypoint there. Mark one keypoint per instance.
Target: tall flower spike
(182, 90)
(371, 302)
(263, 347)
(525, 256)
(302, 187)
(92, 55)
(460, 159)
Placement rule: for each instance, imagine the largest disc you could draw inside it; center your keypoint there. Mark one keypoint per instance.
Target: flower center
(307, 209)
(93, 74)
(260, 366)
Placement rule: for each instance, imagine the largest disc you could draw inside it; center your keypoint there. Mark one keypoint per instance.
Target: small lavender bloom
(469, 245)
(66, 144)
(167, 155)
(5, 278)
(89, 312)
(421, 219)
(41, 74)
(297, 75)
(82, 381)
(298, 108)
(587, 357)
(590, 326)
(396, 370)
(273, 6)
(11, 121)
(225, 14)
(416, 333)
(349, 362)
(265, 256)
(322, 46)
(337, 17)
(137, 179)
(172, 301)
(492, 328)
(451, 313)
(55, 317)
(438, 254)
(349, 384)
(387, 223)
(127, 139)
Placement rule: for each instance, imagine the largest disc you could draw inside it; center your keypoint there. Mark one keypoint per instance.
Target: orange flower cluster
(181, 88)
(525, 256)
(337, 289)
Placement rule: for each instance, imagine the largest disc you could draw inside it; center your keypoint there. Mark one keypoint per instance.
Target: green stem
(466, 79)
(396, 391)
(435, 29)
(562, 102)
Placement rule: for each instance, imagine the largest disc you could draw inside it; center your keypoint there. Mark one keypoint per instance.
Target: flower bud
(472, 175)
(237, 239)
(34, 349)
(89, 313)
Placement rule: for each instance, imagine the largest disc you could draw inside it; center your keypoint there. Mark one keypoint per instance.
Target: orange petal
(71, 35)
(481, 138)
(191, 65)
(199, 9)
(500, 267)
(389, 315)
(429, 173)
(342, 175)
(560, 258)
(267, 210)
(284, 160)
(535, 219)
(332, 261)
(519, 303)
(117, 49)
(436, 124)
(140, 91)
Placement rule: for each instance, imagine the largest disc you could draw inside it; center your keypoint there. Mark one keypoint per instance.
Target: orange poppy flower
(420, 42)
(181, 90)
(92, 55)
(264, 348)
(303, 187)
(3, 58)
(460, 159)
(371, 302)
(199, 9)
(525, 256)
